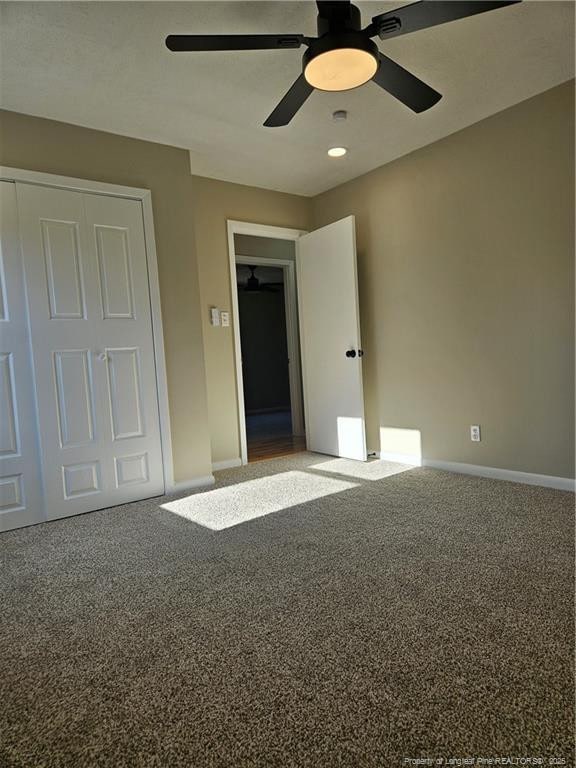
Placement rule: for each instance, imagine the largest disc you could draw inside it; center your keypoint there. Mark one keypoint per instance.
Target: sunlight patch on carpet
(222, 508)
(363, 470)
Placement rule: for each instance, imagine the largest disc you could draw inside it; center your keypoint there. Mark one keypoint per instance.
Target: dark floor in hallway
(269, 435)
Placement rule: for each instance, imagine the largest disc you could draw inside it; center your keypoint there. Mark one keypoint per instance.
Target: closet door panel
(63, 305)
(21, 501)
(87, 278)
(116, 233)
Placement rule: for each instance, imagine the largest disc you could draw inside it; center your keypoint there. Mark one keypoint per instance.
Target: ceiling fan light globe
(340, 69)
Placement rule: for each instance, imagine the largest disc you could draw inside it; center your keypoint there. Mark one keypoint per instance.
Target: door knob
(350, 353)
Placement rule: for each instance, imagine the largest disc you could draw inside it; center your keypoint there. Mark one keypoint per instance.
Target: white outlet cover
(475, 433)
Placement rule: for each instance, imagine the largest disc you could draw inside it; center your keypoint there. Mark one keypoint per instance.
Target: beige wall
(466, 279)
(52, 147)
(214, 203)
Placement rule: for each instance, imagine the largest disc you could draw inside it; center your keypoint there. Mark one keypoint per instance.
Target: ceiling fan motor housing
(337, 17)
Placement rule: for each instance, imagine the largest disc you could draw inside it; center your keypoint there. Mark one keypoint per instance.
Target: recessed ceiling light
(337, 151)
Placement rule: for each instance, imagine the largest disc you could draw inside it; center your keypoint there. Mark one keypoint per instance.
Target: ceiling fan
(253, 284)
(343, 56)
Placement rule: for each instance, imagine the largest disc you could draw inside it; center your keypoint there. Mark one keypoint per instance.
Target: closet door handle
(102, 356)
(350, 353)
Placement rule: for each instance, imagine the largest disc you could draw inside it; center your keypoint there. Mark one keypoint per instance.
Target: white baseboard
(226, 464)
(495, 473)
(194, 482)
(400, 458)
(548, 481)
(528, 478)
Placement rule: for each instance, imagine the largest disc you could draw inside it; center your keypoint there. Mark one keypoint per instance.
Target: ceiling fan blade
(405, 86)
(233, 42)
(290, 104)
(428, 13)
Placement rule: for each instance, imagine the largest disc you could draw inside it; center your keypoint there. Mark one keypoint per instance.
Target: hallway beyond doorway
(269, 435)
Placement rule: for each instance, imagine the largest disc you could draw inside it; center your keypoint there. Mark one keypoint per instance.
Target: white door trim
(278, 233)
(145, 197)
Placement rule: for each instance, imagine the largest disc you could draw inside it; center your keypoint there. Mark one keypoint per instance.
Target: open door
(330, 341)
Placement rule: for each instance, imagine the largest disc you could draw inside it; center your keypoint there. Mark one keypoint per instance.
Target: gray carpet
(416, 614)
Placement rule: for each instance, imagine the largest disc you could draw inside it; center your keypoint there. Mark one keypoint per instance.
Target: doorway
(267, 345)
(265, 359)
(325, 354)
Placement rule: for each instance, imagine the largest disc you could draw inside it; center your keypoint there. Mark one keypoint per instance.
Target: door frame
(144, 196)
(291, 303)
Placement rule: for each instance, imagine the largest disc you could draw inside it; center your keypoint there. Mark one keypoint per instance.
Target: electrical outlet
(475, 433)
(225, 318)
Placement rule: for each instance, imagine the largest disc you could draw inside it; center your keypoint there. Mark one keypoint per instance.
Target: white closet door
(87, 282)
(20, 481)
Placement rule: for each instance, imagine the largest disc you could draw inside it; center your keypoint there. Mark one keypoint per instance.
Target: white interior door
(20, 480)
(330, 341)
(91, 330)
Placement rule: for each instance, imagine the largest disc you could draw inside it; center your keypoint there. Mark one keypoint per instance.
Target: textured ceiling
(104, 65)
